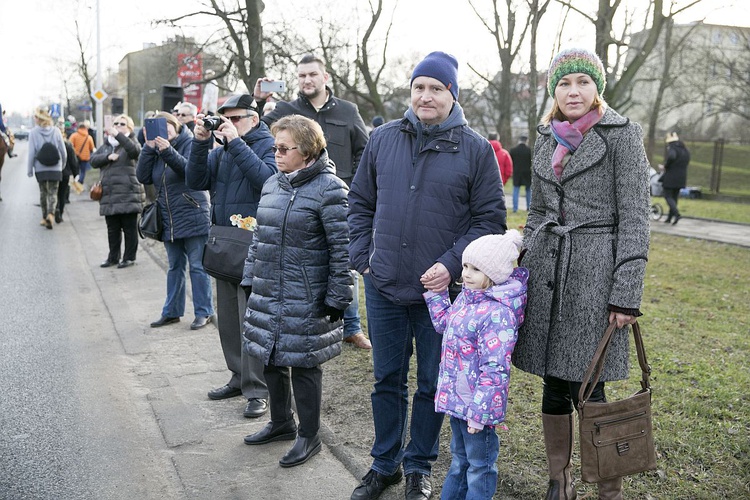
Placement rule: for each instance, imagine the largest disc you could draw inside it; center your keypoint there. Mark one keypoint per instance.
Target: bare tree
(537, 10)
(82, 66)
(508, 44)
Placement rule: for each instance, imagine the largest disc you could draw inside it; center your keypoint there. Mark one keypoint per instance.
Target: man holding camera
(234, 175)
(346, 135)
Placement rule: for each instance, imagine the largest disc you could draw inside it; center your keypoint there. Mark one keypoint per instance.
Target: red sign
(190, 69)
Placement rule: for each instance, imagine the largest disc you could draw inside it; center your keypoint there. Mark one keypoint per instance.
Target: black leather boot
(302, 450)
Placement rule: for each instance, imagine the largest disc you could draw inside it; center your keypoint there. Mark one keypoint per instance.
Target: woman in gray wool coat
(298, 268)
(586, 245)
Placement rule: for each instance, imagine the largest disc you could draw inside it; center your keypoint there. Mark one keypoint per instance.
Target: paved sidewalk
(173, 367)
(702, 229)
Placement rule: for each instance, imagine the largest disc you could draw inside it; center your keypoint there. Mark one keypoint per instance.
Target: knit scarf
(570, 135)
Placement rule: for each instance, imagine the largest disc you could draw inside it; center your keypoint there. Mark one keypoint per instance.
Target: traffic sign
(54, 110)
(99, 95)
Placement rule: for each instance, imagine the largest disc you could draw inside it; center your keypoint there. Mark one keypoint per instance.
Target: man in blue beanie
(427, 185)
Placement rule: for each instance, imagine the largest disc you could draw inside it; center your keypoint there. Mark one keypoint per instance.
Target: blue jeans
(352, 324)
(473, 471)
(181, 252)
(393, 330)
(516, 191)
(84, 166)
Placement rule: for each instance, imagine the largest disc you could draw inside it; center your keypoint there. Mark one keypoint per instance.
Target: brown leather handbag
(616, 437)
(96, 191)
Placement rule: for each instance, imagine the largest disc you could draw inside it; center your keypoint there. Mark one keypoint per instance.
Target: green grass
(696, 328)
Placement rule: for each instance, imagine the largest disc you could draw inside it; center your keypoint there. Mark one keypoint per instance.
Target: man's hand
(436, 279)
(226, 130)
(257, 94)
(200, 131)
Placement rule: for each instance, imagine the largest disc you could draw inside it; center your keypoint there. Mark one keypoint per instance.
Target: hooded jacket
(297, 265)
(421, 195)
(233, 174)
(504, 161)
(37, 137)
(184, 212)
(479, 333)
(342, 126)
(121, 191)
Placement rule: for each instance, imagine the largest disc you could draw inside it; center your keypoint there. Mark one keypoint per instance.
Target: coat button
(403, 245)
(552, 252)
(550, 285)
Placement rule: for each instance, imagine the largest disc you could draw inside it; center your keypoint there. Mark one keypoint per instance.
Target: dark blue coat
(420, 196)
(234, 174)
(297, 265)
(184, 212)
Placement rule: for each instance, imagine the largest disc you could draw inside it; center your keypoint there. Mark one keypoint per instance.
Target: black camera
(211, 122)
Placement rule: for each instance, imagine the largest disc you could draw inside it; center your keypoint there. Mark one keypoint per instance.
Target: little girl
(479, 333)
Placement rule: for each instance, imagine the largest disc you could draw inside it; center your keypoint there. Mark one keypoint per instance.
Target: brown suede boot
(610, 489)
(558, 441)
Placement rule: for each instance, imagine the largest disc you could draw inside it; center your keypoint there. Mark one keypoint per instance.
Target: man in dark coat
(675, 174)
(521, 155)
(234, 175)
(407, 235)
(346, 135)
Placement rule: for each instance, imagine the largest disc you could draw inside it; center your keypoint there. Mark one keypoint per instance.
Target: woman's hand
(436, 279)
(113, 156)
(622, 319)
(161, 143)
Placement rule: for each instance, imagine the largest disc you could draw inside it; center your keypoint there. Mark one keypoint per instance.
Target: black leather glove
(334, 314)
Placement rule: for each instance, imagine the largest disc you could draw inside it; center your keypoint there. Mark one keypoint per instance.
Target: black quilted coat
(297, 265)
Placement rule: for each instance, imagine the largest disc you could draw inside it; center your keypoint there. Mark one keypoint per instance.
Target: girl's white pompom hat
(494, 254)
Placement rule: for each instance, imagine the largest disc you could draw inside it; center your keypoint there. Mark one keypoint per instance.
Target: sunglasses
(237, 118)
(120, 124)
(282, 150)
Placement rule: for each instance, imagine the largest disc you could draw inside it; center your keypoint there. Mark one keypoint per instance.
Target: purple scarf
(570, 135)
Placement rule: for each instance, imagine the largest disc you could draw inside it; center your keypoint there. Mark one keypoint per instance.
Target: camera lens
(211, 122)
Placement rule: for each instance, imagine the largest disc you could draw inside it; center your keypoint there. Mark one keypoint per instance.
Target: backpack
(48, 155)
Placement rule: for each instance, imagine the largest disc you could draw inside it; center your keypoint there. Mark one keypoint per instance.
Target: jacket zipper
(281, 255)
(166, 201)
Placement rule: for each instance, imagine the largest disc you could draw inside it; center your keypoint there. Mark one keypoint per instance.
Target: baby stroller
(656, 210)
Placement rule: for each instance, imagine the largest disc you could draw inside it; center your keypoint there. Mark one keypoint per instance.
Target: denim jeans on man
(180, 252)
(352, 324)
(393, 330)
(473, 471)
(516, 191)
(85, 167)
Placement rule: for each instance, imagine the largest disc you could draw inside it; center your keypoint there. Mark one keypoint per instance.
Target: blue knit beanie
(442, 67)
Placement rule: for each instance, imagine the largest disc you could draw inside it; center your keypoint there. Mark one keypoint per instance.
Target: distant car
(21, 134)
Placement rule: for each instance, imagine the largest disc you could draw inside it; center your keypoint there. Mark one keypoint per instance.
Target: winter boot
(611, 489)
(558, 441)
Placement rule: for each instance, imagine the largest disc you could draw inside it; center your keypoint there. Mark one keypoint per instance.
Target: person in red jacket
(503, 158)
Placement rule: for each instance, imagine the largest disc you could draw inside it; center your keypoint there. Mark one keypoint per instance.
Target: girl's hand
(622, 319)
(472, 430)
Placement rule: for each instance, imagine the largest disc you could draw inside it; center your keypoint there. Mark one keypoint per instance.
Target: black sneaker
(418, 486)
(374, 483)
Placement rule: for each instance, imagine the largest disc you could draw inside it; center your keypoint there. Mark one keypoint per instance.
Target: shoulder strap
(594, 370)
(86, 140)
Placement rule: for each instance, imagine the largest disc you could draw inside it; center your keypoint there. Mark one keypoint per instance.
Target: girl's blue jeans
(473, 471)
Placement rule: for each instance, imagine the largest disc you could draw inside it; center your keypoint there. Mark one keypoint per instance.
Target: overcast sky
(38, 34)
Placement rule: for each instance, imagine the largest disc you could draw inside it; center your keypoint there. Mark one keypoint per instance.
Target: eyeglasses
(183, 114)
(120, 124)
(282, 150)
(237, 118)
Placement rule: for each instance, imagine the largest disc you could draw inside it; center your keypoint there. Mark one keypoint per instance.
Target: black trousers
(671, 195)
(560, 397)
(63, 191)
(308, 393)
(117, 226)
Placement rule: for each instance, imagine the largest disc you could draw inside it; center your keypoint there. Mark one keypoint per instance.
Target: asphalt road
(94, 404)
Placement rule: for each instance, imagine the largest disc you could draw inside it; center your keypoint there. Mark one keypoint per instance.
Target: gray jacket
(586, 243)
(37, 137)
(297, 265)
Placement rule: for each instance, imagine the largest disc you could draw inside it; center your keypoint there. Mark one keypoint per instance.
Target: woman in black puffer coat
(298, 268)
(185, 219)
(122, 195)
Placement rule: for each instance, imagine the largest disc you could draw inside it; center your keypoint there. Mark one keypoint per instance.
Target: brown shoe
(50, 220)
(359, 340)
